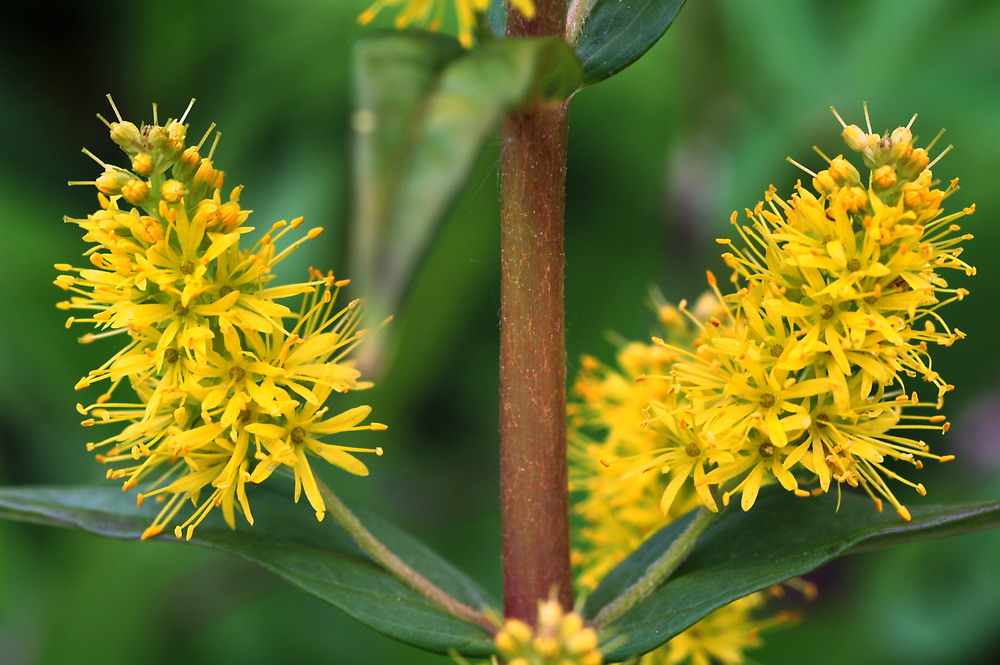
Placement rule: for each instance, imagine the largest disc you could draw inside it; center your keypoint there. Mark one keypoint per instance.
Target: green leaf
(423, 111)
(616, 33)
(781, 537)
(319, 558)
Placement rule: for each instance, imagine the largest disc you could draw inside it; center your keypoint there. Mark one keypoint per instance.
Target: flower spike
(229, 383)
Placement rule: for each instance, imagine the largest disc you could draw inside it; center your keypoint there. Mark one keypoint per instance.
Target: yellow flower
(607, 426)
(800, 375)
(855, 270)
(721, 637)
(628, 415)
(430, 13)
(561, 638)
(297, 434)
(229, 384)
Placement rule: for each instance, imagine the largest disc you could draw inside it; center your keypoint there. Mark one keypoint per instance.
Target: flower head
(560, 638)
(228, 382)
(722, 636)
(430, 13)
(631, 417)
(802, 374)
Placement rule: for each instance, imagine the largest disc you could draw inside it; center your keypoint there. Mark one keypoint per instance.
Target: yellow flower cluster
(560, 639)
(721, 637)
(430, 13)
(229, 383)
(802, 378)
(606, 424)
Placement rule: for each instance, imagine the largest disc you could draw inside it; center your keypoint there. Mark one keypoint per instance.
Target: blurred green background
(659, 157)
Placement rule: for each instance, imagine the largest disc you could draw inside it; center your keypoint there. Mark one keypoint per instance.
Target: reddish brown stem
(533, 475)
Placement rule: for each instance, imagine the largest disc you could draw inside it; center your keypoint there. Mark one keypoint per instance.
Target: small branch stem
(343, 516)
(658, 571)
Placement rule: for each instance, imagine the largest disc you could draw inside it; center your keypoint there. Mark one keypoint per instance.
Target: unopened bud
(126, 135)
(111, 182)
(582, 642)
(142, 164)
(856, 139)
(172, 191)
(854, 199)
(549, 614)
(901, 136)
(844, 172)
(157, 137)
(135, 191)
(205, 175)
(229, 215)
(824, 183)
(901, 153)
(884, 177)
(912, 194)
(148, 229)
(545, 646)
(518, 630)
(176, 131)
(187, 164)
(916, 163)
(207, 214)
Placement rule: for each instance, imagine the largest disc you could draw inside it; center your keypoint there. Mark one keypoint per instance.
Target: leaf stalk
(342, 515)
(658, 572)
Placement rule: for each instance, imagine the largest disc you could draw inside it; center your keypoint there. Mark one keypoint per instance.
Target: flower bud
(884, 177)
(856, 139)
(901, 153)
(205, 175)
(126, 135)
(218, 179)
(545, 646)
(172, 191)
(147, 229)
(518, 630)
(142, 164)
(581, 642)
(917, 162)
(111, 182)
(843, 172)
(187, 164)
(229, 214)
(901, 136)
(157, 137)
(504, 641)
(549, 614)
(912, 194)
(176, 132)
(824, 183)
(560, 638)
(135, 191)
(207, 213)
(854, 199)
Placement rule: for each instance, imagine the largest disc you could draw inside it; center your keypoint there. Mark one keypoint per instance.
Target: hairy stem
(343, 516)
(577, 15)
(533, 473)
(659, 570)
